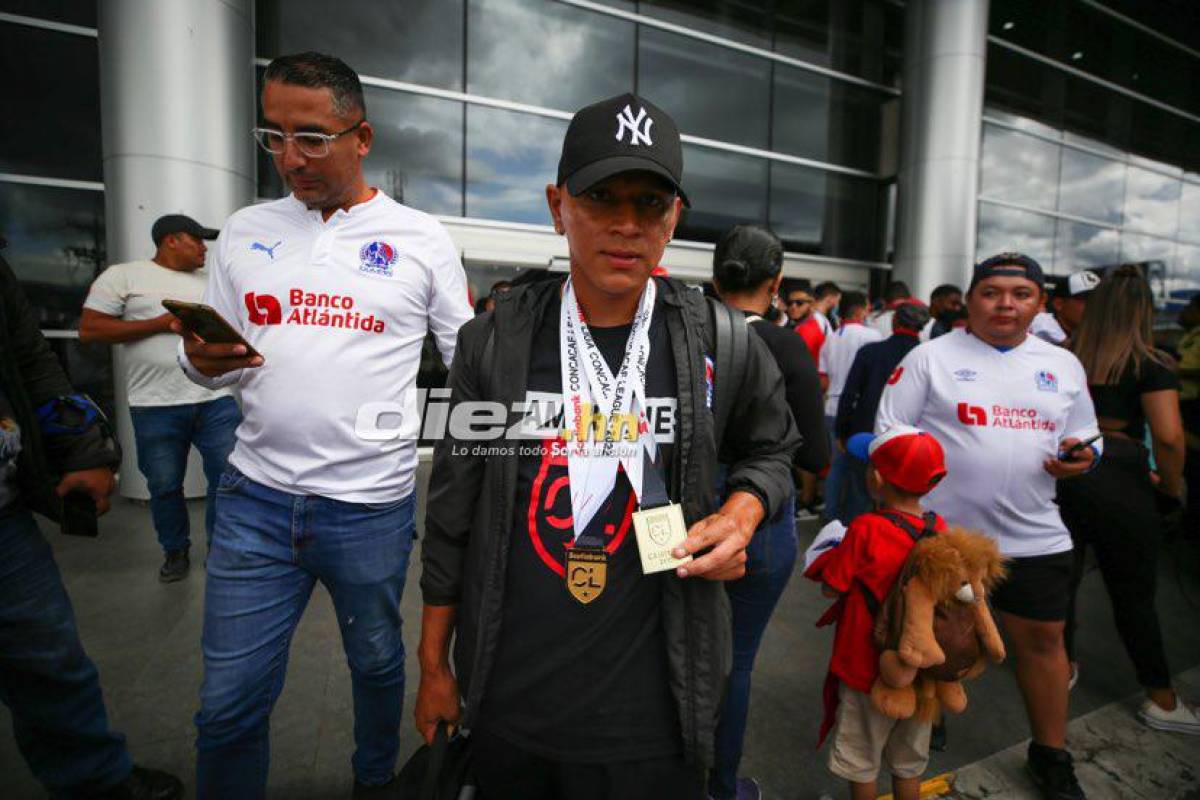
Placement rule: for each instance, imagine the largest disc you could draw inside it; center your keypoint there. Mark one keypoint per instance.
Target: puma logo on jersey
(270, 251)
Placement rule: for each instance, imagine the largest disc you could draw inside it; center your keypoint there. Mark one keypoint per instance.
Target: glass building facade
(789, 110)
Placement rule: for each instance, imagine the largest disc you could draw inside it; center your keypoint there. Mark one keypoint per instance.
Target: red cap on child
(908, 458)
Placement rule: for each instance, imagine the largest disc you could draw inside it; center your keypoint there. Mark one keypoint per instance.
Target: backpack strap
(929, 528)
(730, 346)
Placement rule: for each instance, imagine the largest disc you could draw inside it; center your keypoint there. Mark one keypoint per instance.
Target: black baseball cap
(1009, 265)
(180, 223)
(621, 134)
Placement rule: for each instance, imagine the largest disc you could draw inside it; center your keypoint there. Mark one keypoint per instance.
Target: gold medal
(659, 531)
(587, 572)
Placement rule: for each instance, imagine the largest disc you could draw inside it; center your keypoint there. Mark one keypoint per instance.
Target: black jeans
(1112, 510)
(506, 772)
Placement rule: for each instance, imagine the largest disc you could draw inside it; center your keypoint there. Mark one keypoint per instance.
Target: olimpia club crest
(377, 258)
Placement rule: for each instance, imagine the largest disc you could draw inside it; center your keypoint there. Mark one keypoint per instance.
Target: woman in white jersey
(1008, 408)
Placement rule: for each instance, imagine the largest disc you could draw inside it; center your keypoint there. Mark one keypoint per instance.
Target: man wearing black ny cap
(579, 569)
(169, 412)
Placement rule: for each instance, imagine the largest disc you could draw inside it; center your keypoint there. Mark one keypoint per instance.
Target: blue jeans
(268, 551)
(46, 680)
(846, 484)
(769, 561)
(164, 436)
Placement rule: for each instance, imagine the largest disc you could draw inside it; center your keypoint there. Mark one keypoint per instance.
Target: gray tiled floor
(144, 637)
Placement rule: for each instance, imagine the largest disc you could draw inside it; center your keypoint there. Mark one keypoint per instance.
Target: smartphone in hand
(78, 515)
(207, 324)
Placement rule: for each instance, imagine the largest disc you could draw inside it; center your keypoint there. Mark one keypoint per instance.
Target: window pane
(510, 159)
(74, 12)
(745, 21)
(1018, 169)
(710, 91)
(1080, 246)
(55, 246)
(515, 52)
(1146, 248)
(826, 119)
(417, 154)
(862, 39)
(1189, 212)
(1152, 202)
(419, 41)
(1184, 279)
(1003, 230)
(51, 91)
(725, 189)
(833, 215)
(1091, 186)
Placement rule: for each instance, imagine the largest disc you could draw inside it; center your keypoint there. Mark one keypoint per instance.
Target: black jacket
(469, 514)
(802, 388)
(873, 365)
(32, 376)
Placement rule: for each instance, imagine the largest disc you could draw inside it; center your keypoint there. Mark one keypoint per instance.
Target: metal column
(945, 46)
(177, 106)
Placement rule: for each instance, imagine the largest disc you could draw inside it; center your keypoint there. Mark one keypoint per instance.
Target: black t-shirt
(575, 682)
(1123, 400)
(802, 387)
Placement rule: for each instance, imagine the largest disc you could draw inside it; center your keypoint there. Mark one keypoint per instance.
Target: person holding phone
(170, 413)
(1009, 409)
(53, 454)
(335, 287)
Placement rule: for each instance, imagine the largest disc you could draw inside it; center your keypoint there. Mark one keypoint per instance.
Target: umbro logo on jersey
(638, 127)
(965, 375)
(972, 415)
(268, 250)
(1046, 381)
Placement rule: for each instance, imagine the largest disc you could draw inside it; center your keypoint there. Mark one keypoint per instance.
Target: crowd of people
(598, 573)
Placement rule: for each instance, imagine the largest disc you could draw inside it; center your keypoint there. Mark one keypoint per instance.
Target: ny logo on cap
(638, 127)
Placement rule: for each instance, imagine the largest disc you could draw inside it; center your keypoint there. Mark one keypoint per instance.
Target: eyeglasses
(311, 144)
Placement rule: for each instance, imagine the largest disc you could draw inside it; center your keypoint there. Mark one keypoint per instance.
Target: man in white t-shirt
(335, 287)
(170, 413)
(1013, 414)
(826, 299)
(837, 356)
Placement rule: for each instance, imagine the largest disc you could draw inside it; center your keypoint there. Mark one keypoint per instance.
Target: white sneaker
(1184, 719)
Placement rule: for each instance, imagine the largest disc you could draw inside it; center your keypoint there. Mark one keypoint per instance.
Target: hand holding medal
(725, 535)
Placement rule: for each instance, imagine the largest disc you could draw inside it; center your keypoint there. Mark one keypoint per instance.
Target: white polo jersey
(837, 356)
(998, 415)
(339, 310)
(1045, 326)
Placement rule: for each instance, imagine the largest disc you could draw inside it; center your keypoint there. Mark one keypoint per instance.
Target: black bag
(440, 771)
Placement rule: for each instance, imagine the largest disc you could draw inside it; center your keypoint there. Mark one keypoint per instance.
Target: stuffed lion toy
(935, 628)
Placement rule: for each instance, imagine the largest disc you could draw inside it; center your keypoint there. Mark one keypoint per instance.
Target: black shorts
(1037, 588)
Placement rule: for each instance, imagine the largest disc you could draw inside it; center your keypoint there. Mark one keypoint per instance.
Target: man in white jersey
(1009, 409)
(169, 413)
(335, 286)
(837, 356)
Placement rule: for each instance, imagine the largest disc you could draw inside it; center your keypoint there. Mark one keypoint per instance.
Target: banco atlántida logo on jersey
(311, 309)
